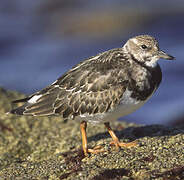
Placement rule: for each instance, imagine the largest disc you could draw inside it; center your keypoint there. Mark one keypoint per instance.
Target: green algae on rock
(49, 148)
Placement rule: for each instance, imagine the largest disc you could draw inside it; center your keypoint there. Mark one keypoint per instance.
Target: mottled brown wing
(93, 86)
(91, 98)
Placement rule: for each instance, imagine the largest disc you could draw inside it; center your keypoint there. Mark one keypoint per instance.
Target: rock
(50, 148)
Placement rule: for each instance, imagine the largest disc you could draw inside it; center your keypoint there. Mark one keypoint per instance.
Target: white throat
(152, 63)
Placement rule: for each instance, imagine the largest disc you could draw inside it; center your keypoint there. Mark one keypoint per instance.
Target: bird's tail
(37, 104)
(46, 102)
(21, 109)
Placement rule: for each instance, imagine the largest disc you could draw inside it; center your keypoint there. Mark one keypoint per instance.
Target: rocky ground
(50, 148)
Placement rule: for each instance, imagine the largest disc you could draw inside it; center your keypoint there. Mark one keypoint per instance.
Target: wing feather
(93, 86)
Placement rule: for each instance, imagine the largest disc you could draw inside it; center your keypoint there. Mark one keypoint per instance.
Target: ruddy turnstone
(102, 88)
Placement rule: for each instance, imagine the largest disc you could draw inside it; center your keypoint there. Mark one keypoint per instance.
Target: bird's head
(145, 49)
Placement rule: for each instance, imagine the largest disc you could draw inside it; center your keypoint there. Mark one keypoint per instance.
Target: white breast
(126, 106)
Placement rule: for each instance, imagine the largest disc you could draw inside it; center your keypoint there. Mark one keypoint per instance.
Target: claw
(118, 144)
(96, 150)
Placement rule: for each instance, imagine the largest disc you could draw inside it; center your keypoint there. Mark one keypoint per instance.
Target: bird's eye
(144, 46)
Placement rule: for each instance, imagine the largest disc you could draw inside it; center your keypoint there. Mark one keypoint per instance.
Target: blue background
(40, 40)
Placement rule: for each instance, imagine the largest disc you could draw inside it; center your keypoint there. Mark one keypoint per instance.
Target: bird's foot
(119, 144)
(95, 150)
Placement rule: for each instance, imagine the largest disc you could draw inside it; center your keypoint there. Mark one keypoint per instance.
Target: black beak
(163, 55)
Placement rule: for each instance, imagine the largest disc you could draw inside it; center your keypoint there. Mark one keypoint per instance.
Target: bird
(102, 88)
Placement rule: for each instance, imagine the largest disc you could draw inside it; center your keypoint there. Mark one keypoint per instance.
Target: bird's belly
(124, 109)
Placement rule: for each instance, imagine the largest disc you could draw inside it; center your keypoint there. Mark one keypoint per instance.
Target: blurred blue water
(30, 61)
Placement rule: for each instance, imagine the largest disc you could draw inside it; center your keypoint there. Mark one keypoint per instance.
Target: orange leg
(115, 139)
(96, 150)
